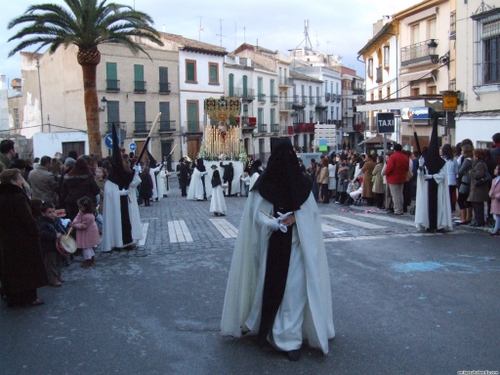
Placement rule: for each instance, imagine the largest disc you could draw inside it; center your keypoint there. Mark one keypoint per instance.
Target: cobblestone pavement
(404, 302)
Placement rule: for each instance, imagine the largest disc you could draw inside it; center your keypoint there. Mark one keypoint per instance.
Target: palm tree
(86, 24)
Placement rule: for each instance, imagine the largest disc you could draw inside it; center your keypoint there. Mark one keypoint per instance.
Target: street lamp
(435, 59)
(104, 101)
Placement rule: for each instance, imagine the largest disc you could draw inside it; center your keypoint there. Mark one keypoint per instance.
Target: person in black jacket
(78, 183)
(51, 229)
(228, 176)
(146, 188)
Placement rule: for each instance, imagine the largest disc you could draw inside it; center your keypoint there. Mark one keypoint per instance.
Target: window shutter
(190, 71)
(139, 73)
(140, 116)
(231, 85)
(111, 72)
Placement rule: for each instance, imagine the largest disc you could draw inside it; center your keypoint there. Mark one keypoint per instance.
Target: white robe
(444, 219)
(155, 177)
(217, 202)
(195, 191)
(307, 304)
(164, 174)
(112, 229)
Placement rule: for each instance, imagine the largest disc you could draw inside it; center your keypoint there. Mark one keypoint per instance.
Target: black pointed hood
(282, 183)
(152, 161)
(118, 174)
(433, 161)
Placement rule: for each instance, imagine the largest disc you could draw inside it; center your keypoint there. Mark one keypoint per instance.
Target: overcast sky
(337, 27)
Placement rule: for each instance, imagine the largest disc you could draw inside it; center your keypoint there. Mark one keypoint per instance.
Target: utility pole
(220, 35)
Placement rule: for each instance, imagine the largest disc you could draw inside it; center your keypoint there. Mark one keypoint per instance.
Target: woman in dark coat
(78, 183)
(146, 188)
(478, 193)
(23, 269)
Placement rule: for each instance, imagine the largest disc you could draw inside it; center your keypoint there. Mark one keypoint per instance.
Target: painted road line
(383, 237)
(145, 227)
(225, 228)
(355, 222)
(389, 219)
(328, 228)
(178, 231)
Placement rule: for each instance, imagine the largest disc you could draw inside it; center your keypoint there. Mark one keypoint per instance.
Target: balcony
(312, 100)
(275, 128)
(379, 75)
(416, 53)
(274, 99)
(286, 105)
(118, 125)
(164, 88)
(262, 128)
(140, 87)
(358, 92)
(142, 127)
(112, 85)
(167, 126)
(285, 81)
(192, 126)
(261, 98)
(244, 94)
(327, 97)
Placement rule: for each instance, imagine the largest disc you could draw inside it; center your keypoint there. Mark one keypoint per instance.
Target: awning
(400, 104)
(378, 139)
(422, 74)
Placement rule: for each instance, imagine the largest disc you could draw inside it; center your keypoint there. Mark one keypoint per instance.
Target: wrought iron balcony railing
(166, 126)
(142, 127)
(262, 128)
(112, 85)
(416, 53)
(139, 87)
(164, 88)
(275, 128)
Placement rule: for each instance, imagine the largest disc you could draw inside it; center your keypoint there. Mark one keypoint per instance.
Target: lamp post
(104, 101)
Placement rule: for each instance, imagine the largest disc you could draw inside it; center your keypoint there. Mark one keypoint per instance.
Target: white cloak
(195, 191)
(162, 180)
(157, 186)
(112, 229)
(243, 299)
(444, 220)
(217, 202)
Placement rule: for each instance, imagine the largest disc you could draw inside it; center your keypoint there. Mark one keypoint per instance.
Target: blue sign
(108, 140)
(132, 146)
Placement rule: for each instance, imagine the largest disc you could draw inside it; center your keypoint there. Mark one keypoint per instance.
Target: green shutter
(111, 72)
(193, 118)
(231, 85)
(213, 74)
(139, 73)
(140, 116)
(163, 77)
(165, 116)
(245, 86)
(190, 71)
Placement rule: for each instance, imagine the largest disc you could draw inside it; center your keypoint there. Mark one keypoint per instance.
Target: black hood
(118, 175)
(282, 183)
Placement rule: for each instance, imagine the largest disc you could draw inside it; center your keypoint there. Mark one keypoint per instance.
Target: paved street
(404, 302)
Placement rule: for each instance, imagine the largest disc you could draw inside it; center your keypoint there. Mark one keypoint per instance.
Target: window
(16, 118)
(163, 79)
(274, 97)
(165, 123)
(140, 117)
(111, 77)
(386, 56)
(213, 69)
(487, 47)
(370, 67)
(245, 87)
(191, 71)
(139, 83)
(113, 111)
(260, 89)
(192, 115)
(231, 85)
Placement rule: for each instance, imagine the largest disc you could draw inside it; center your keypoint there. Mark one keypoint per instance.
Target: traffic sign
(132, 146)
(108, 140)
(385, 122)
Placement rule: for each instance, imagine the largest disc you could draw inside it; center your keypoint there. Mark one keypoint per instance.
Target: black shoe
(293, 355)
(476, 225)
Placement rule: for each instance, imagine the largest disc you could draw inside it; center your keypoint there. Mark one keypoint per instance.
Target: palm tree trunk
(92, 108)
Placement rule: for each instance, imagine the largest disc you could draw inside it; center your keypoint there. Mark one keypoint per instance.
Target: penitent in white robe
(306, 310)
(112, 229)
(195, 191)
(217, 202)
(444, 219)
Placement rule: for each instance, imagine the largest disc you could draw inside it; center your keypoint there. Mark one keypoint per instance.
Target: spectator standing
(78, 183)
(478, 192)
(324, 194)
(22, 269)
(378, 183)
(43, 183)
(495, 201)
(451, 172)
(495, 151)
(7, 152)
(465, 183)
(367, 171)
(395, 172)
(228, 176)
